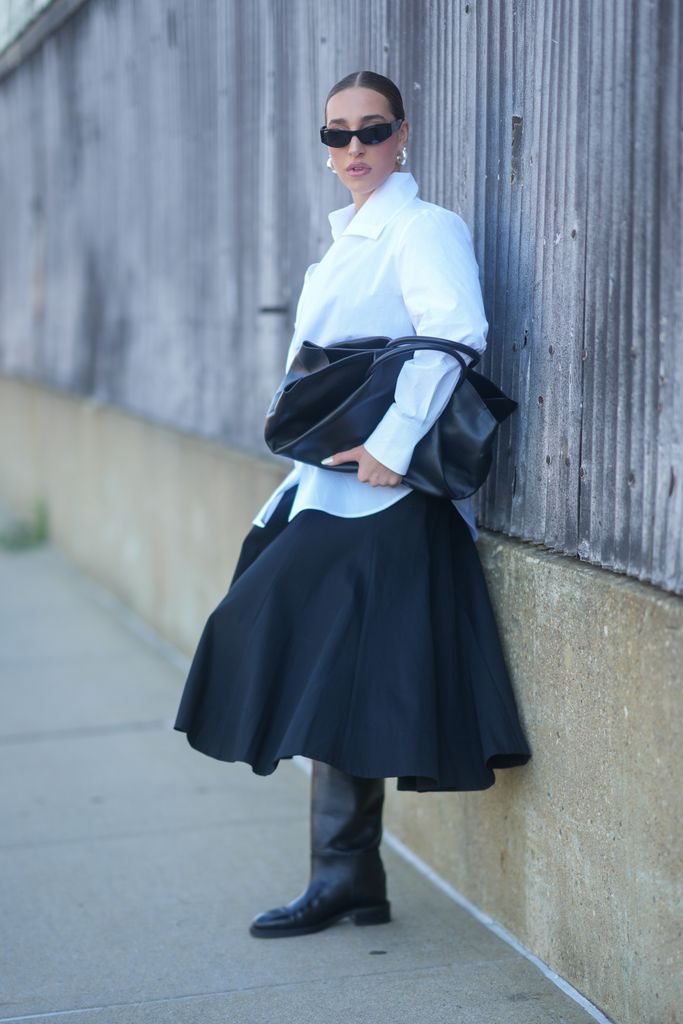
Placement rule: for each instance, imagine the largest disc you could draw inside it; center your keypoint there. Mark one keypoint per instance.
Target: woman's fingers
(351, 455)
(370, 470)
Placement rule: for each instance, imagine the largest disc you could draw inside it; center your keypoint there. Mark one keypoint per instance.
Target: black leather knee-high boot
(347, 874)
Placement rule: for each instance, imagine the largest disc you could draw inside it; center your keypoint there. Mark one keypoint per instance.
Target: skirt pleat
(368, 643)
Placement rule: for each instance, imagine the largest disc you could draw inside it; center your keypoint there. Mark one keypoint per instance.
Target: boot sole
(379, 913)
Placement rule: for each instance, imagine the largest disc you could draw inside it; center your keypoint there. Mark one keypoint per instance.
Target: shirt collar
(399, 188)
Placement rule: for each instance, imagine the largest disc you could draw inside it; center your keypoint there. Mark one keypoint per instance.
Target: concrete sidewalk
(131, 865)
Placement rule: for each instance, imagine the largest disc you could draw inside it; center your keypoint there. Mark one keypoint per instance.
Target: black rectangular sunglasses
(337, 138)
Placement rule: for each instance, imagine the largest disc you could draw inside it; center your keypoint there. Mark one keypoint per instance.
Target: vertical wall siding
(163, 190)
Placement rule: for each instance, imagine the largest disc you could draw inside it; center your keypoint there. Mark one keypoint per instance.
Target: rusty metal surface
(163, 189)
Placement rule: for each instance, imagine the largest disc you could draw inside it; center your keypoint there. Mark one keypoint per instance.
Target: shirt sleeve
(295, 342)
(439, 281)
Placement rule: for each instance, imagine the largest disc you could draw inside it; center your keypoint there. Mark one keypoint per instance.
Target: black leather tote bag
(333, 397)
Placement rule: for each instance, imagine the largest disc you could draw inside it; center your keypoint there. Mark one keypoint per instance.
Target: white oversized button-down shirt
(399, 266)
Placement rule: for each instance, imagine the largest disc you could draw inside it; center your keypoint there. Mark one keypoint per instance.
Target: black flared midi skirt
(368, 643)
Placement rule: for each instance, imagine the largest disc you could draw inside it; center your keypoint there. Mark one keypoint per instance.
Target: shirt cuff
(393, 440)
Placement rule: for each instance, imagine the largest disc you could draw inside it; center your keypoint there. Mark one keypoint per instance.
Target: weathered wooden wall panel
(163, 189)
(631, 495)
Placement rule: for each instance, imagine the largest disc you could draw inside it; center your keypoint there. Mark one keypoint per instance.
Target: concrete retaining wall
(576, 853)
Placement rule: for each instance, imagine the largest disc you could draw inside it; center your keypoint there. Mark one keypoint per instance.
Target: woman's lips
(358, 170)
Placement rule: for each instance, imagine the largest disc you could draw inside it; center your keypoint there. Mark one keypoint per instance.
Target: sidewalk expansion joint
(302, 984)
(83, 732)
(108, 837)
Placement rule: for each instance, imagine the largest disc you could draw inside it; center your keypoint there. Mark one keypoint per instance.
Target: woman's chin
(365, 184)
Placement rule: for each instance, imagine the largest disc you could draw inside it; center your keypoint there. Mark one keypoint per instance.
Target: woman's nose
(355, 146)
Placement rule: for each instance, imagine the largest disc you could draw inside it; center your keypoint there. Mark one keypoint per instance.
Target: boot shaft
(346, 811)
(346, 831)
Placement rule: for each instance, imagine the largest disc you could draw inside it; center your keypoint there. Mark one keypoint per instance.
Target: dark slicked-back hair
(370, 80)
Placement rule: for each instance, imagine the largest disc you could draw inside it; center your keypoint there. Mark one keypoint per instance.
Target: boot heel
(379, 914)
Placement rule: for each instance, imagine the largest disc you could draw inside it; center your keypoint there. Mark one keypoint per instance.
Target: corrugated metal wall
(163, 190)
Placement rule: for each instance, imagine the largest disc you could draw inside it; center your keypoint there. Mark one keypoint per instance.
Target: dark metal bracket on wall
(45, 24)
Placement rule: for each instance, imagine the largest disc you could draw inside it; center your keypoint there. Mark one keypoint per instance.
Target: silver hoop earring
(330, 164)
(402, 156)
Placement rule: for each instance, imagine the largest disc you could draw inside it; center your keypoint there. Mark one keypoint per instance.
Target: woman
(357, 629)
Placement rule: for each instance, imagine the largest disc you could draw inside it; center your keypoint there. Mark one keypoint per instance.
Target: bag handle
(413, 343)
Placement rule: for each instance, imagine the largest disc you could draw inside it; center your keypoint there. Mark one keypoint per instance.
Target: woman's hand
(369, 469)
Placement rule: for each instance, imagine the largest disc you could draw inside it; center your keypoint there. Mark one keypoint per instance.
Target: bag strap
(413, 343)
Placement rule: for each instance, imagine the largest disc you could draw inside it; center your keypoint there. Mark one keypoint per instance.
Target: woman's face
(363, 168)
